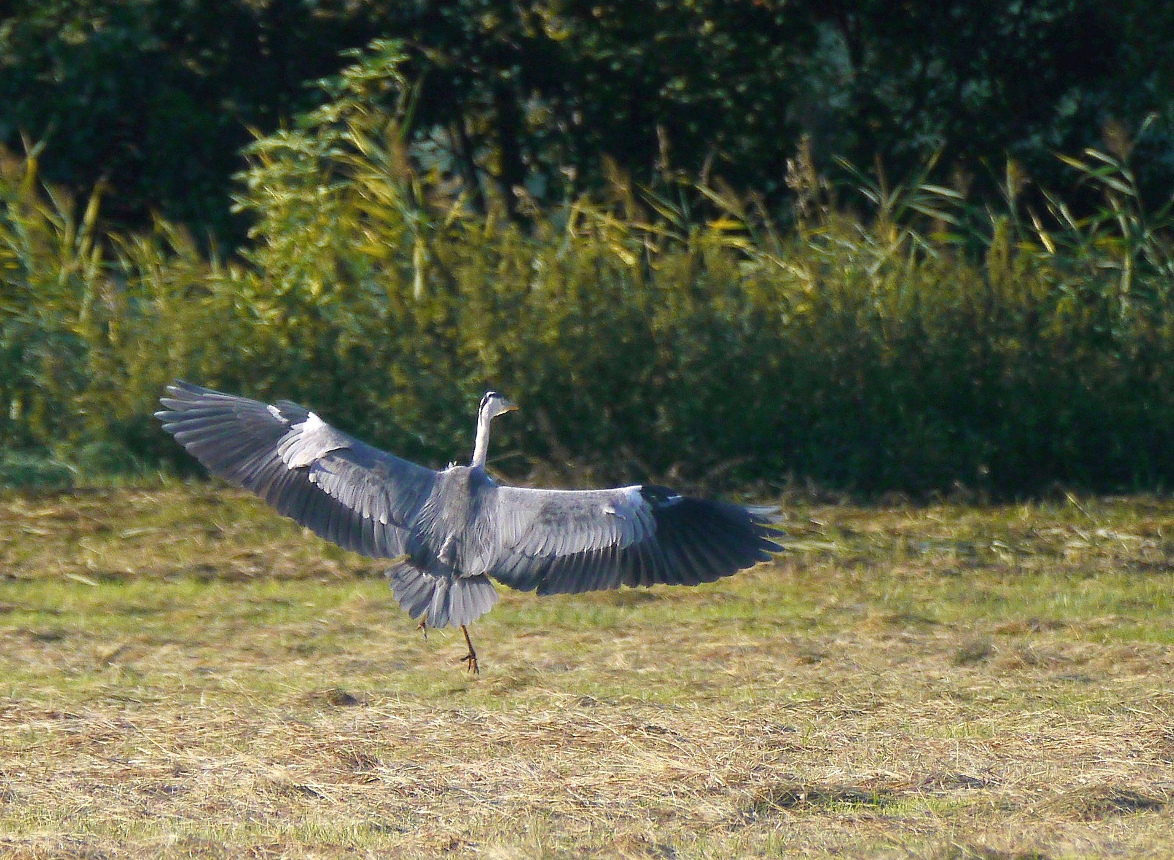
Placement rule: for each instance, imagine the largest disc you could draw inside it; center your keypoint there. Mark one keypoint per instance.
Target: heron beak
(508, 406)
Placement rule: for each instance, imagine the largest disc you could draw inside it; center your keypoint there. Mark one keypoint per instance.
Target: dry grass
(184, 675)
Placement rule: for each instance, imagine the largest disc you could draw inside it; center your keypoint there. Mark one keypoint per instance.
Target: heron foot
(470, 659)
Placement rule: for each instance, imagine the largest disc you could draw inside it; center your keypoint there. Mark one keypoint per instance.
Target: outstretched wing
(344, 490)
(559, 541)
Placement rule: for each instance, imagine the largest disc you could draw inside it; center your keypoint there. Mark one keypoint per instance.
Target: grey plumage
(454, 529)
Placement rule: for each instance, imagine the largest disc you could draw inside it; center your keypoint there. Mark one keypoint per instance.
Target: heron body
(452, 531)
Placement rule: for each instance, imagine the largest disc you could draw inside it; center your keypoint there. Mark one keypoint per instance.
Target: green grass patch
(185, 673)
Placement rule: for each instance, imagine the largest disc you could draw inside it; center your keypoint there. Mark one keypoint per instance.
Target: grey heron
(450, 531)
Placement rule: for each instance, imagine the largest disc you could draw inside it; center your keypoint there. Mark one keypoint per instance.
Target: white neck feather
(481, 448)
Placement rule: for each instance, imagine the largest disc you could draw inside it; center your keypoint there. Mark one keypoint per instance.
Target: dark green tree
(156, 99)
(559, 97)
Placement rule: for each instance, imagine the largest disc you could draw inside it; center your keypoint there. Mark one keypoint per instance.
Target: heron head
(494, 404)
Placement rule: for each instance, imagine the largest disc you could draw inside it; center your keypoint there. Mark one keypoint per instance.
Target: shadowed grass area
(183, 673)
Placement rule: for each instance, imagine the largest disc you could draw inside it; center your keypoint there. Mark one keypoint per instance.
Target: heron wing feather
(559, 541)
(342, 489)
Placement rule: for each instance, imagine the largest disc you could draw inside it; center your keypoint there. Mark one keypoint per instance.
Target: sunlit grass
(184, 673)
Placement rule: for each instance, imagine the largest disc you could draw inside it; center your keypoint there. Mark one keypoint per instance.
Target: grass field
(185, 674)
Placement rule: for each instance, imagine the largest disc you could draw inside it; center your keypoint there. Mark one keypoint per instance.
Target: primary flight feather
(453, 530)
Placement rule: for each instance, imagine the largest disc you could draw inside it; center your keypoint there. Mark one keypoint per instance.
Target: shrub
(890, 337)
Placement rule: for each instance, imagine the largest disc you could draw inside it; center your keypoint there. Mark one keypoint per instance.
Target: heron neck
(481, 448)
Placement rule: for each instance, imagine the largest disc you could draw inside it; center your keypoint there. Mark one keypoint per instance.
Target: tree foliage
(553, 97)
(154, 99)
(890, 335)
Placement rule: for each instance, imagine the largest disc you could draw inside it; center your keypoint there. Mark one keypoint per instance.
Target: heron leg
(471, 657)
(423, 625)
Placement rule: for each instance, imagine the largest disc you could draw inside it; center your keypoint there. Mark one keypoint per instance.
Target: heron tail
(444, 601)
